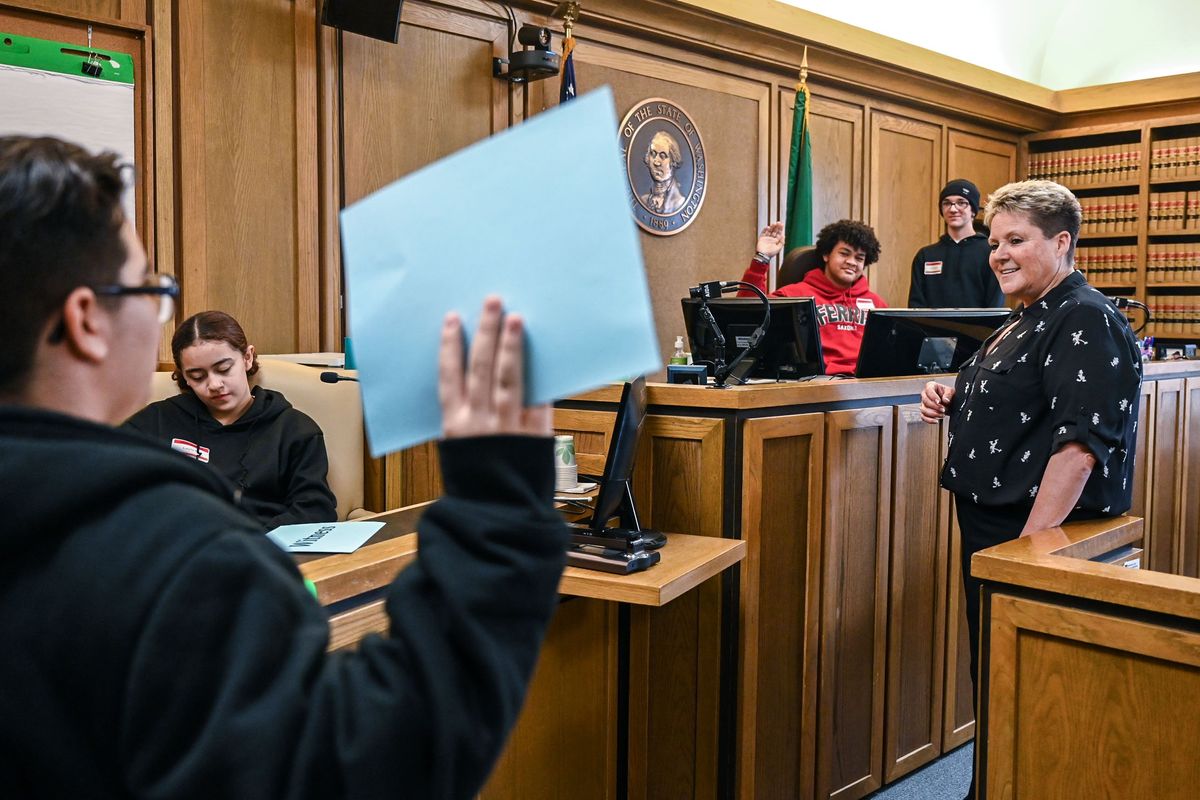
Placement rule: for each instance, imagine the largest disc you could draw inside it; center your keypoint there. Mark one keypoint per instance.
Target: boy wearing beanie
(953, 272)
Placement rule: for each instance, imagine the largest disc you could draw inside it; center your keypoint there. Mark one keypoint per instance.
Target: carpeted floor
(948, 778)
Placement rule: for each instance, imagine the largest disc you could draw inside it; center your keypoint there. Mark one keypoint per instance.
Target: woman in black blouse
(1043, 419)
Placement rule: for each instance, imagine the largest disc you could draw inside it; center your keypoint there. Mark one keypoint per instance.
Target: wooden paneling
(413, 476)
(570, 711)
(1086, 705)
(592, 431)
(858, 461)
(732, 115)
(917, 597)
(1164, 513)
(678, 486)
(1187, 542)
(987, 163)
(248, 158)
(905, 178)
(958, 717)
(1143, 464)
(84, 9)
(782, 482)
(409, 105)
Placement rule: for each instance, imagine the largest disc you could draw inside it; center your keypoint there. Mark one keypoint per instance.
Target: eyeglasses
(961, 205)
(165, 286)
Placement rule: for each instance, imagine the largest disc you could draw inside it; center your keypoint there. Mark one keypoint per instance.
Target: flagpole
(798, 202)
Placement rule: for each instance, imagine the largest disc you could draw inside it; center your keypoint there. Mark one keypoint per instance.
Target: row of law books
(1113, 214)
(1178, 313)
(1173, 263)
(1090, 166)
(1174, 211)
(1107, 265)
(1175, 158)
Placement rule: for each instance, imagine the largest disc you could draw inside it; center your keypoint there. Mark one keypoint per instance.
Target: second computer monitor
(790, 349)
(923, 341)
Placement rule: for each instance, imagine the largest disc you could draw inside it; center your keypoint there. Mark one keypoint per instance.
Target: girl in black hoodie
(273, 454)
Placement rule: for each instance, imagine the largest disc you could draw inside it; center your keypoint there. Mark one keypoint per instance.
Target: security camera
(536, 62)
(533, 36)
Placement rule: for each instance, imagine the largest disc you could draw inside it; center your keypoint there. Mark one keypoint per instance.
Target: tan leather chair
(336, 407)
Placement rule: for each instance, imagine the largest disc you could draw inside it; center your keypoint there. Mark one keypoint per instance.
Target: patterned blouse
(1068, 370)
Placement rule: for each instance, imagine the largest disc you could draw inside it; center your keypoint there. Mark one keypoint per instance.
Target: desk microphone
(333, 377)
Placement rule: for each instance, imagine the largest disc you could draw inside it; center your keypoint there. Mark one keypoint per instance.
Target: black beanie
(963, 188)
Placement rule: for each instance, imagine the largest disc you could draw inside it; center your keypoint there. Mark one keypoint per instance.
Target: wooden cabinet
(858, 471)
(916, 597)
(958, 700)
(570, 711)
(1187, 540)
(1163, 522)
(783, 460)
(674, 729)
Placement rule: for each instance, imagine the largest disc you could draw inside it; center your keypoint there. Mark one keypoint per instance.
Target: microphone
(712, 289)
(333, 377)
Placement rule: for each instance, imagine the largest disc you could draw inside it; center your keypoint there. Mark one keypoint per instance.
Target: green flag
(799, 228)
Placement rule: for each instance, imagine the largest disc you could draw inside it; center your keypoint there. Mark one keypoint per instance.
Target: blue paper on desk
(324, 537)
(538, 215)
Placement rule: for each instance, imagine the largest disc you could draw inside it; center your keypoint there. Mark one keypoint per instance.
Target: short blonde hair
(1049, 205)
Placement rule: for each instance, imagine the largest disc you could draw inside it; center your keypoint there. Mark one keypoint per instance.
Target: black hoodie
(157, 646)
(274, 454)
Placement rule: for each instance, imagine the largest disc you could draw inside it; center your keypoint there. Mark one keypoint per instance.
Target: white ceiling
(1058, 44)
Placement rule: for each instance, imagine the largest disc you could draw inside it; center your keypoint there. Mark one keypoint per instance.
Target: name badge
(865, 302)
(190, 449)
(933, 268)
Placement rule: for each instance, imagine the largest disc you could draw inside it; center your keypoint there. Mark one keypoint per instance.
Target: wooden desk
(1089, 671)
(588, 720)
(844, 622)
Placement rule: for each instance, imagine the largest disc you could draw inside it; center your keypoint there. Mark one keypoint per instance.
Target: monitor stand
(620, 550)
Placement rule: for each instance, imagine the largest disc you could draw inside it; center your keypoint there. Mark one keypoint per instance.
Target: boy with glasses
(953, 272)
(156, 644)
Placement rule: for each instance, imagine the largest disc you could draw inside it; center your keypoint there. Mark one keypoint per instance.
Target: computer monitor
(790, 348)
(629, 547)
(923, 341)
(615, 484)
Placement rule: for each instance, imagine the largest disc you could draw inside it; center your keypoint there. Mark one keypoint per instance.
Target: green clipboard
(65, 58)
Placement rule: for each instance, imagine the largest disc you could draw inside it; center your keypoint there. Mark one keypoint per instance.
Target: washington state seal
(665, 166)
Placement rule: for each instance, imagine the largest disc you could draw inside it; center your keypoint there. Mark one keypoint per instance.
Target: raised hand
(770, 241)
(488, 398)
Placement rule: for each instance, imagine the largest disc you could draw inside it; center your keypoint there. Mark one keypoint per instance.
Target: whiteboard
(95, 114)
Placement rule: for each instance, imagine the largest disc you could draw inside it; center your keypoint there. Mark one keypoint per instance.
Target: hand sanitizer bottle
(678, 357)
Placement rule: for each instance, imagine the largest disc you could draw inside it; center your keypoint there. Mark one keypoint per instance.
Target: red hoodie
(842, 313)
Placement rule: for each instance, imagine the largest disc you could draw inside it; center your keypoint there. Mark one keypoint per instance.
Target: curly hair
(858, 235)
(1050, 206)
(207, 326)
(60, 228)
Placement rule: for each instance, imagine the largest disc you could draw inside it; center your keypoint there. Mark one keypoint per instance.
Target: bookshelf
(1139, 186)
